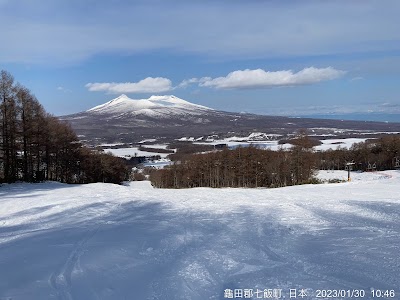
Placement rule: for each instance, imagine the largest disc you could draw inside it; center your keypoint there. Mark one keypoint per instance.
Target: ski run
(104, 241)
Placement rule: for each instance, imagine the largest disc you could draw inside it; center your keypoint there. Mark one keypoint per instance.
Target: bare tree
(8, 126)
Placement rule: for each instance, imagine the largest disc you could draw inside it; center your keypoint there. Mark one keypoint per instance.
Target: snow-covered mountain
(128, 121)
(125, 119)
(155, 106)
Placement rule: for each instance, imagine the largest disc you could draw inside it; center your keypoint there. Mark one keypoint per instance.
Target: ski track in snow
(60, 280)
(103, 241)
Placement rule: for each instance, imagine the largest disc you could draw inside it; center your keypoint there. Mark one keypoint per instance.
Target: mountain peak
(124, 104)
(169, 99)
(120, 98)
(116, 101)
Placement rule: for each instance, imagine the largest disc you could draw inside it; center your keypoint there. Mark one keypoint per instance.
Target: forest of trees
(375, 154)
(36, 146)
(253, 167)
(241, 167)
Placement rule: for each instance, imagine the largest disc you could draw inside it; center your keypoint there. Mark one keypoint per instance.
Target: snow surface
(157, 146)
(155, 106)
(336, 143)
(133, 151)
(147, 141)
(326, 175)
(158, 164)
(111, 145)
(104, 241)
(327, 144)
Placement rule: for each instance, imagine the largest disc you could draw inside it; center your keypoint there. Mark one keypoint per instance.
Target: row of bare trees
(36, 146)
(253, 167)
(382, 153)
(241, 167)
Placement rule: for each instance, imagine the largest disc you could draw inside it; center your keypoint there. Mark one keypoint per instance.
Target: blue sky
(269, 57)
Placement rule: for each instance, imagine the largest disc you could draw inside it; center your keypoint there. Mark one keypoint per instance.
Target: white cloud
(241, 79)
(147, 85)
(185, 83)
(246, 79)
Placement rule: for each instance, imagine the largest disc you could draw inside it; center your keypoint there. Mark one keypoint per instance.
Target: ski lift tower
(349, 167)
(397, 162)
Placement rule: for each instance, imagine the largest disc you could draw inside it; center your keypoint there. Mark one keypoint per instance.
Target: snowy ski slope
(103, 241)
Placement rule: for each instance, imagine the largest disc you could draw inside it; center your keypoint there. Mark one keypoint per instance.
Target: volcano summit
(168, 117)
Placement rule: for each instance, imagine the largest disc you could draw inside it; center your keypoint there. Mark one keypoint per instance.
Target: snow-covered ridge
(151, 106)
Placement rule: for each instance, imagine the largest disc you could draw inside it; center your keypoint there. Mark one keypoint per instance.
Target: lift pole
(349, 167)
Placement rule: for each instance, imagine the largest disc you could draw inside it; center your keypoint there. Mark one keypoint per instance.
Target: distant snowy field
(327, 144)
(134, 151)
(233, 142)
(104, 241)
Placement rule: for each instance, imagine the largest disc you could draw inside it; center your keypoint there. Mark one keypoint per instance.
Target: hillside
(127, 120)
(103, 241)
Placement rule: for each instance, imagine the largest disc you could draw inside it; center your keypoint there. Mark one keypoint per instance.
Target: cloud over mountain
(241, 79)
(247, 79)
(147, 85)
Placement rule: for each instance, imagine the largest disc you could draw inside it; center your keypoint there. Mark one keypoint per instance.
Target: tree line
(373, 154)
(36, 146)
(241, 167)
(253, 167)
